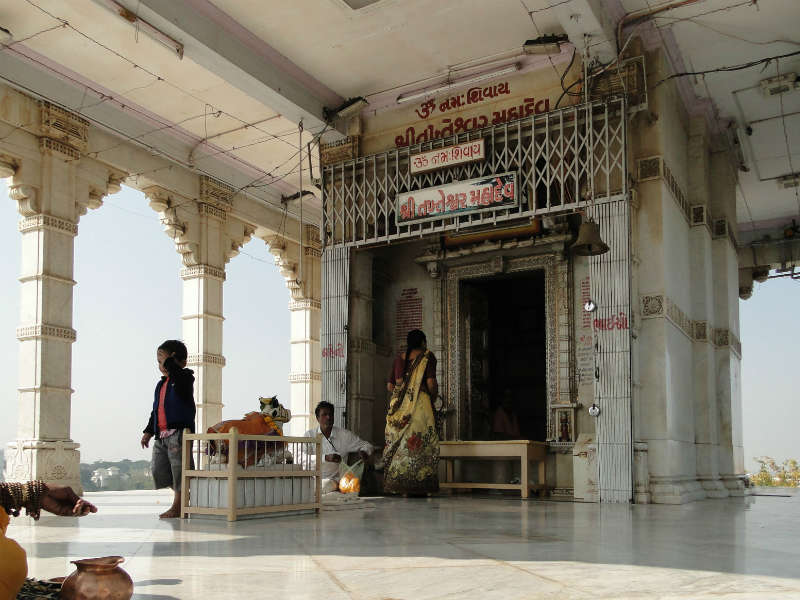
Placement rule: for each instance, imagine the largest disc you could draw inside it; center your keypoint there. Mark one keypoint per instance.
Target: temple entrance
(506, 353)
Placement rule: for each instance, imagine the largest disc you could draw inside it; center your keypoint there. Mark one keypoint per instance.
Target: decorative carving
(305, 304)
(51, 146)
(558, 375)
(188, 252)
(216, 193)
(30, 332)
(721, 337)
(700, 331)
(652, 306)
(196, 271)
(562, 423)
(699, 215)
(27, 199)
(7, 166)
(205, 359)
(433, 268)
(654, 167)
(305, 377)
(211, 210)
(679, 318)
(64, 126)
(649, 168)
(47, 222)
(338, 151)
(18, 464)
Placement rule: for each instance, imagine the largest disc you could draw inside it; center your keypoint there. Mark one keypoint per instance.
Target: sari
(411, 453)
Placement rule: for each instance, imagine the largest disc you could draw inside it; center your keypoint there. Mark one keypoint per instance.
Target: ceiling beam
(226, 48)
(127, 139)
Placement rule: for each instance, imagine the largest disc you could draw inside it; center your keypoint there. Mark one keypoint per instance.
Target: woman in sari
(411, 453)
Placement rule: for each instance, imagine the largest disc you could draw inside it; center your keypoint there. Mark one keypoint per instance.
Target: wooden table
(525, 450)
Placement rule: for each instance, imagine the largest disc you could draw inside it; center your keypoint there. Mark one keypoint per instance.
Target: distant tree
(772, 474)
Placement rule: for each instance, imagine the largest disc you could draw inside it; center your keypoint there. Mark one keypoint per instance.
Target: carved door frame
(560, 367)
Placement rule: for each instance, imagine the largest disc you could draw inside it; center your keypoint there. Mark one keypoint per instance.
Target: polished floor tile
(448, 547)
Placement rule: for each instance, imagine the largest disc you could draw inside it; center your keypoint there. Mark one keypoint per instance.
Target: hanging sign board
(491, 192)
(440, 158)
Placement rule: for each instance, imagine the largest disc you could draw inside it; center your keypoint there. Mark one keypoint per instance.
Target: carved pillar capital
(26, 197)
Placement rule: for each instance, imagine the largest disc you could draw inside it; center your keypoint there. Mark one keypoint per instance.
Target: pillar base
(735, 485)
(713, 486)
(55, 463)
(675, 490)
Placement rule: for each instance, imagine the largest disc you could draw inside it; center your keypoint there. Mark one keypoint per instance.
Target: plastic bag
(350, 477)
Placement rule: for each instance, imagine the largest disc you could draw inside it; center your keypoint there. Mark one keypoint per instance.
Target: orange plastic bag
(350, 477)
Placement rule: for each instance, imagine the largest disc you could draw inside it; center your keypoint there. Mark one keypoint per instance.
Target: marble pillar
(53, 188)
(305, 308)
(725, 330)
(206, 237)
(702, 311)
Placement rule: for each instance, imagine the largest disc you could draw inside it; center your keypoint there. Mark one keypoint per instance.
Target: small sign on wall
(492, 192)
(447, 157)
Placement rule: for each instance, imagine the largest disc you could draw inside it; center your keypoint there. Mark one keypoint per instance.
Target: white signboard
(440, 158)
(491, 192)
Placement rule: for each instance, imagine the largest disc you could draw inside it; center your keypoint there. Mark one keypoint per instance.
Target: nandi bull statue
(268, 421)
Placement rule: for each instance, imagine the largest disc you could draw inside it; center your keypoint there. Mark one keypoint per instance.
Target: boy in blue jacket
(173, 411)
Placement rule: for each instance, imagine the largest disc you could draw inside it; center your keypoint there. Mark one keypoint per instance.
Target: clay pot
(98, 579)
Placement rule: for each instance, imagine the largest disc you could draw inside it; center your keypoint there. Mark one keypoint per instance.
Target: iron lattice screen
(563, 159)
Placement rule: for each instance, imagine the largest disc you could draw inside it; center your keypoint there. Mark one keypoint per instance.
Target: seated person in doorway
(505, 425)
(337, 443)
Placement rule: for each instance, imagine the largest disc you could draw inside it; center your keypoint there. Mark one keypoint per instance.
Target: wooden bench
(525, 450)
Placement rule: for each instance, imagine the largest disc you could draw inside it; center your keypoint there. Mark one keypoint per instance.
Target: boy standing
(173, 411)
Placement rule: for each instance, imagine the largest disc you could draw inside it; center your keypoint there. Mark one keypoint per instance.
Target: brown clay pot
(98, 579)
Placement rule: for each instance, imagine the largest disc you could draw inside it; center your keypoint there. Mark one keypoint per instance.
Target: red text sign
(447, 157)
(475, 195)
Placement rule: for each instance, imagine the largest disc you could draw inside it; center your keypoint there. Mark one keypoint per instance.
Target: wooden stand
(525, 450)
(232, 473)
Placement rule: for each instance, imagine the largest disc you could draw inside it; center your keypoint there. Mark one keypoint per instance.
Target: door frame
(560, 364)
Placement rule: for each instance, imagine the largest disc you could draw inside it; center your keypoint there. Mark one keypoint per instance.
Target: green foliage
(772, 474)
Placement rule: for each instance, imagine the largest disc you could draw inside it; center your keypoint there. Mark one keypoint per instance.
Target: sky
(128, 299)
(126, 302)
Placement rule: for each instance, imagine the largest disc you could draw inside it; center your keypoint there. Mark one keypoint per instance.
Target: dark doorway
(506, 350)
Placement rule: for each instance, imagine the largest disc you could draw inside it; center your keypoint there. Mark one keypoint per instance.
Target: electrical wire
(728, 69)
(723, 33)
(133, 63)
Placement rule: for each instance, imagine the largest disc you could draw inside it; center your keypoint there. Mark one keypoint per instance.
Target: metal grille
(335, 311)
(563, 159)
(610, 285)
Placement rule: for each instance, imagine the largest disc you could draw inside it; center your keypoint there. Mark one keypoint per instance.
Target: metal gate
(333, 335)
(564, 160)
(611, 292)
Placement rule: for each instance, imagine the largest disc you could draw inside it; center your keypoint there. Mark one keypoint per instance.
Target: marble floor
(449, 547)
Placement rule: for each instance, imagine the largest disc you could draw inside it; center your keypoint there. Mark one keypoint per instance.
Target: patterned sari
(411, 453)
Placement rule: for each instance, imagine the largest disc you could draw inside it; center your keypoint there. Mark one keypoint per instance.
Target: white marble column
(305, 308)
(206, 237)
(53, 188)
(702, 311)
(725, 332)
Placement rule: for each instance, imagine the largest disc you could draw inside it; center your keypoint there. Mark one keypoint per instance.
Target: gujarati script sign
(475, 195)
(447, 157)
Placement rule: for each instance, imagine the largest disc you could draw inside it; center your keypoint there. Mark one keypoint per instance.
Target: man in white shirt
(336, 444)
